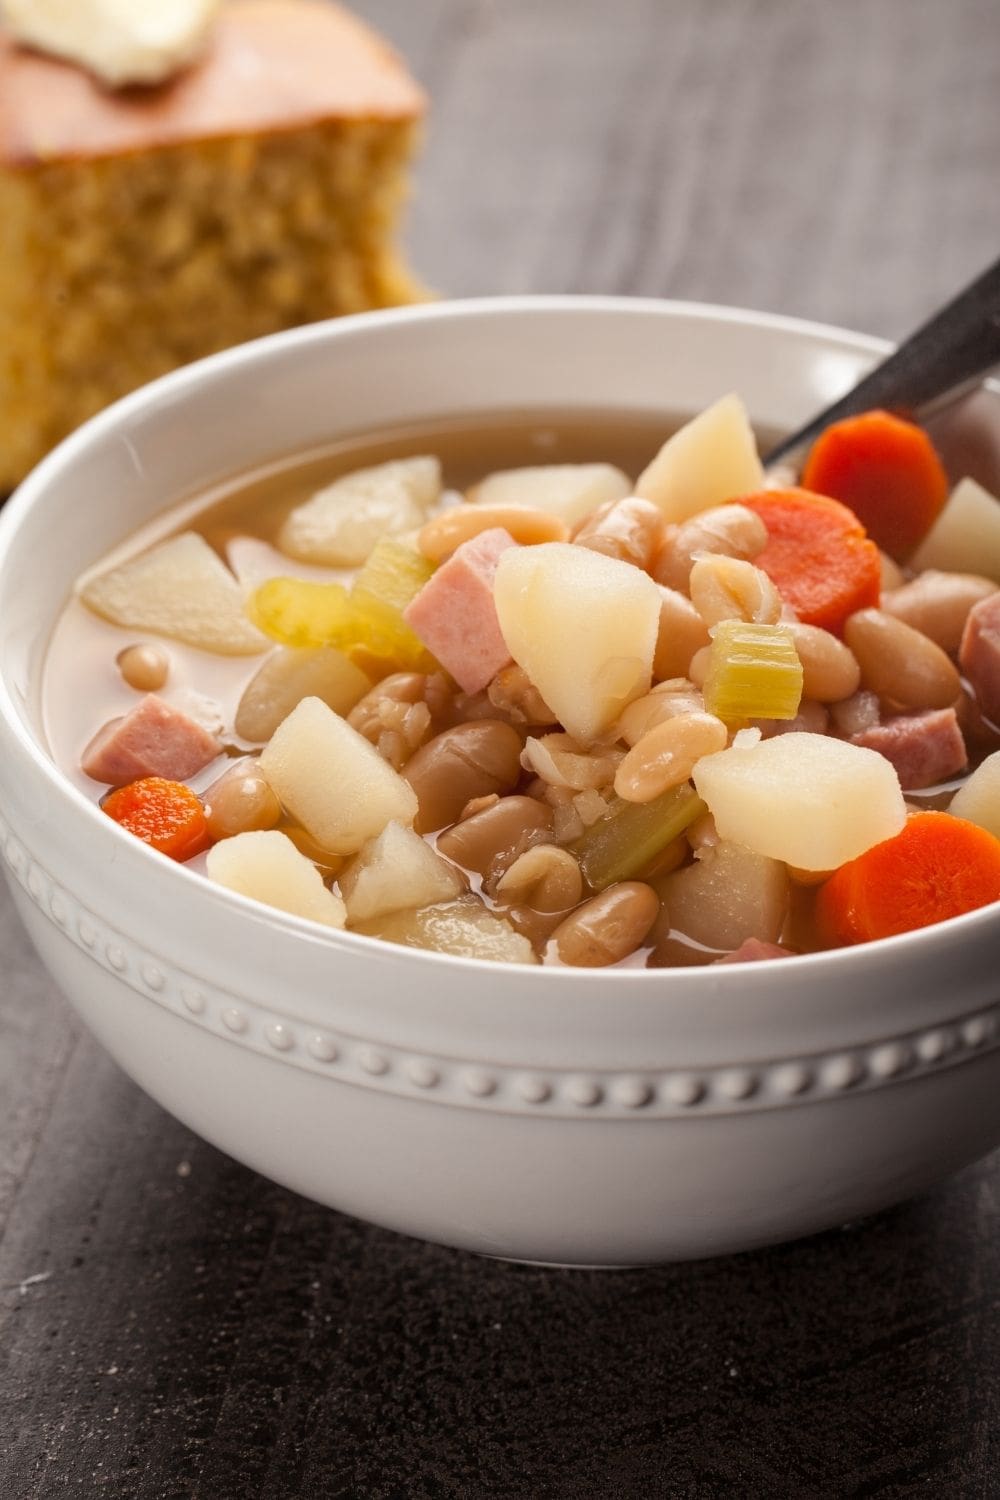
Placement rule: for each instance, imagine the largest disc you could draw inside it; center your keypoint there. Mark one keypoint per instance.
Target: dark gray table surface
(172, 1325)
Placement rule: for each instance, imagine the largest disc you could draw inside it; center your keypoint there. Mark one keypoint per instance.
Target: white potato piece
(394, 871)
(965, 538)
(728, 894)
(570, 491)
(710, 459)
(978, 798)
(332, 780)
(582, 626)
(464, 928)
(267, 867)
(807, 799)
(340, 524)
(286, 677)
(182, 589)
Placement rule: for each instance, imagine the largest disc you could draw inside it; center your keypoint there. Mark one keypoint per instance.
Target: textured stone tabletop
(172, 1325)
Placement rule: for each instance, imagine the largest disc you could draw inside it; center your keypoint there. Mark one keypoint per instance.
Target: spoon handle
(953, 348)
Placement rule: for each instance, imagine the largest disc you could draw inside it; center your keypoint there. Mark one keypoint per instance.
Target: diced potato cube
(464, 928)
(289, 675)
(395, 870)
(965, 538)
(570, 491)
(728, 894)
(582, 626)
(340, 524)
(710, 459)
(978, 798)
(332, 780)
(267, 867)
(182, 589)
(808, 799)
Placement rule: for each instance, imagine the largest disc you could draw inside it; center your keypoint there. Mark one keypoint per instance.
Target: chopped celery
(394, 572)
(626, 841)
(754, 672)
(298, 612)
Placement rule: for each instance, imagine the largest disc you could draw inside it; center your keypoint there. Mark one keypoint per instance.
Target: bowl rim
(177, 384)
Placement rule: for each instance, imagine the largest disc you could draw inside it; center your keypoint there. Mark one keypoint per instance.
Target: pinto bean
(240, 801)
(666, 701)
(630, 530)
(145, 668)
(441, 535)
(608, 927)
(469, 760)
(510, 825)
(830, 671)
(681, 633)
(725, 530)
(667, 754)
(545, 878)
(728, 588)
(899, 663)
(938, 604)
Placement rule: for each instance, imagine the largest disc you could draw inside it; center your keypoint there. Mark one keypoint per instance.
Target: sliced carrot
(938, 866)
(887, 471)
(817, 555)
(165, 814)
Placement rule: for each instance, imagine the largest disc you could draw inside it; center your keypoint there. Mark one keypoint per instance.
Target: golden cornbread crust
(144, 229)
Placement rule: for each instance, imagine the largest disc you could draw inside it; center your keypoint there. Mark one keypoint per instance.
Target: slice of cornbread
(144, 228)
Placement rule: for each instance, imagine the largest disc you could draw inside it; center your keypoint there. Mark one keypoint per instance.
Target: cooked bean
(666, 755)
(725, 530)
(681, 633)
(666, 701)
(444, 532)
(145, 668)
(699, 664)
(830, 670)
(240, 801)
(812, 718)
(394, 716)
(938, 604)
(608, 927)
(469, 760)
(507, 827)
(892, 574)
(900, 663)
(513, 694)
(545, 878)
(630, 530)
(728, 588)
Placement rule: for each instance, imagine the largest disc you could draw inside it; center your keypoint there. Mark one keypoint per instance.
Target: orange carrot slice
(165, 814)
(937, 867)
(817, 555)
(887, 471)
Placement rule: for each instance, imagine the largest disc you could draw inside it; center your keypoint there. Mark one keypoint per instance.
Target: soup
(548, 689)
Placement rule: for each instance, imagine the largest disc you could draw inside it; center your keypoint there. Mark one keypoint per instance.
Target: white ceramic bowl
(567, 1116)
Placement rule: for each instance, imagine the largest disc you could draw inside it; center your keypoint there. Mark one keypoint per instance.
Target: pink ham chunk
(752, 950)
(925, 748)
(454, 614)
(152, 739)
(979, 654)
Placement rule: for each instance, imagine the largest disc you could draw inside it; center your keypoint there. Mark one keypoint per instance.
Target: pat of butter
(120, 41)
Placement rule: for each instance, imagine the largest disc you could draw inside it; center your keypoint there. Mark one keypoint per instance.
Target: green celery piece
(394, 573)
(754, 672)
(625, 842)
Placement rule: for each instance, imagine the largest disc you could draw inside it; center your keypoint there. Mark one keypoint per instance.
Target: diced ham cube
(979, 654)
(153, 739)
(925, 748)
(454, 614)
(752, 950)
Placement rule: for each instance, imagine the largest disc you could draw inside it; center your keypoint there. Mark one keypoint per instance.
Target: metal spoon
(942, 359)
